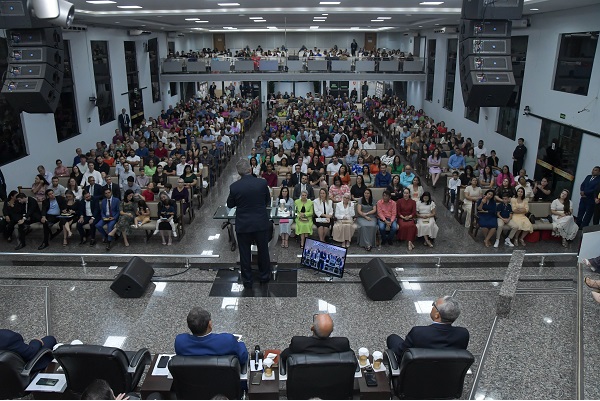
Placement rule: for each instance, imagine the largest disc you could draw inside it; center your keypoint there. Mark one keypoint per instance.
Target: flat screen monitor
(323, 257)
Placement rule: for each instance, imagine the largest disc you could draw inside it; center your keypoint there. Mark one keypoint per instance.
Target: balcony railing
(291, 65)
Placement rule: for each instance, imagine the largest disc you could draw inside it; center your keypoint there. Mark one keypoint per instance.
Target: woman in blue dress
(486, 210)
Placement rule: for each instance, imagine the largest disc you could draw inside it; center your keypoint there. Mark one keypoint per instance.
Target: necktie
(592, 179)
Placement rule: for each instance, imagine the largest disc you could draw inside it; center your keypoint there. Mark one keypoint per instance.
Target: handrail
(112, 255)
(456, 255)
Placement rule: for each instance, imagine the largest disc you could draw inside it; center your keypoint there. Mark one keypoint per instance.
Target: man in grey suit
(303, 186)
(251, 197)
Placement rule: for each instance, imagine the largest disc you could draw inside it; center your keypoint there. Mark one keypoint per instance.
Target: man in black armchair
(320, 342)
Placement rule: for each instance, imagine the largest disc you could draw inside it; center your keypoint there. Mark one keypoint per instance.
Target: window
(136, 103)
(12, 140)
(173, 86)
(430, 69)
(153, 55)
(472, 113)
(557, 155)
(508, 116)
(104, 95)
(65, 116)
(450, 73)
(575, 62)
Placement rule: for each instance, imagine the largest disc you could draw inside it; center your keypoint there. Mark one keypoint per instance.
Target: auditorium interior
(528, 310)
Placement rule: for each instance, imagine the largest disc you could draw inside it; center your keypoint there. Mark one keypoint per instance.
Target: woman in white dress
(563, 223)
(416, 190)
(344, 227)
(472, 194)
(323, 209)
(426, 226)
(285, 202)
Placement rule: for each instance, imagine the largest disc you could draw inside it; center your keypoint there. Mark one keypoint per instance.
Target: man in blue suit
(440, 334)
(586, 203)
(109, 212)
(251, 197)
(12, 341)
(203, 342)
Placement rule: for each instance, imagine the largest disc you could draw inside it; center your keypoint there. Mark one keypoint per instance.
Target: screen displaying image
(326, 258)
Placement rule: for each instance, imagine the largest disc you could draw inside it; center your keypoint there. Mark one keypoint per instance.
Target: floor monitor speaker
(133, 279)
(379, 281)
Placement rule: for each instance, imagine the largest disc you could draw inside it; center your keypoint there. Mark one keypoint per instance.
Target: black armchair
(15, 374)
(411, 379)
(327, 376)
(203, 377)
(83, 364)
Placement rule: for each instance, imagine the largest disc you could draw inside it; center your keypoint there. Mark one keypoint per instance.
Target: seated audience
(287, 202)
(323, 212)
(406, 211)
(563, 222)
(358, 189)
(505, 173)
(39, 187)
(504, 214)
(100, 390)
(61, 170)
(303, 186)
(520, 207)
(343, 228)
(472, 194)
(453, 188)
(386, 213)
(89, 213)
(304, 216)
(487, 179)
(68, 215)
(486, 213)
(167, 216)
(523, 183)
(58, 189)
(368, 178)
(439, 335)
(109, 213)
(433, 162)
(126, 218)
(426, 225)
(383, 179)
(465, 176)
(367, 220)
(320, 342)
(416, 190)
(51, 210)
(338, 189)
(542, 192)
(344, 175)
(407, 177)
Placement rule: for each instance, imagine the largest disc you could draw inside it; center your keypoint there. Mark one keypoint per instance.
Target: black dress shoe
(43, 246)
(108, 246)
(105, 240)
(27, 230)
(83, 241)
(92, 242)
(247, 286)
(20, 246)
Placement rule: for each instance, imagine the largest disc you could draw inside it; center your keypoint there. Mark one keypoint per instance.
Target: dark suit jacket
(434, 336)
(62, 205)
(588, 186)
(2, 187)
(294, 180)
(96, 191)
(95, 206)
(315, 345)
(211, 344)
(298, 191)
(114, 207)
(12, 341)
(124, 123)
(116, 190)
(32, 211)
(251, 196)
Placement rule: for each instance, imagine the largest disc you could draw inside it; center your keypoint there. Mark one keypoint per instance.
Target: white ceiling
(161, 15)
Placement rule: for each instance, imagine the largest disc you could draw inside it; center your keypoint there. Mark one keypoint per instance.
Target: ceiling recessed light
(100, 1)
(200, 21)
(376, 20)
(534, 9)
(437, 24)
(332, 3)
(129, 6)
(117, 22)
(420, 26)
(228, 4)
(192, 19)
(431, 3)
(314, 27)
(255, 17)
(323, 18)
(260, 20)
(384, 17)
(324, 14)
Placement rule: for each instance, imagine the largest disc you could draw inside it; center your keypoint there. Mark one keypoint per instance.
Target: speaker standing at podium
(251, 197)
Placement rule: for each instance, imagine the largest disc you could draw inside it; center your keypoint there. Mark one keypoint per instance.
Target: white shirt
(479, 152)
(344, 213)
(369, 146)
(333, 168)
(97, 176)
(180, 169)
(303, 168)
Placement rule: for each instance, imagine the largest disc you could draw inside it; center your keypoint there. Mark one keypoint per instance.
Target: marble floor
(529, 354)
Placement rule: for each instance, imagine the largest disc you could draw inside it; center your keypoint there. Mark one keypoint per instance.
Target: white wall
(39, 129)
(542, 50)
(395, 40)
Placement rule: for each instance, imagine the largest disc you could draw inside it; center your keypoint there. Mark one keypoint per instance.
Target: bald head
(322, 325)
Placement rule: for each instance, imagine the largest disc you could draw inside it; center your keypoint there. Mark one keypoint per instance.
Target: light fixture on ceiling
(534, 9)
(255, 17)
(320, 18)
(228, 4)
(100, 1)
(199, 22)
(431, 3)
(330, 3)
(384, 17)
(324, 14)
(420, 26)
(377, 20)
(192, 19)
(132, 7)
(56, 12)
(260, 20)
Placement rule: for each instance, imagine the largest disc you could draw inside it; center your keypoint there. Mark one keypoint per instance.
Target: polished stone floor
(531, 354)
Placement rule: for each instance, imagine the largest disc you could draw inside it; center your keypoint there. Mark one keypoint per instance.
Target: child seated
(148, 193)
(142, 214)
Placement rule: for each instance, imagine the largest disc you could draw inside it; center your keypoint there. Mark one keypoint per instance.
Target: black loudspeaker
(487, 89)
(490, 29)
(31, 95)
(51, 37)
(133, 279)
(492, 9)
(379, 281)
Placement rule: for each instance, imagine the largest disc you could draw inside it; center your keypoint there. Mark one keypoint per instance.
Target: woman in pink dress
(434, 162)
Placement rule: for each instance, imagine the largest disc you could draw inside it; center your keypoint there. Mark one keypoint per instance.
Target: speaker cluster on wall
(486, 73)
